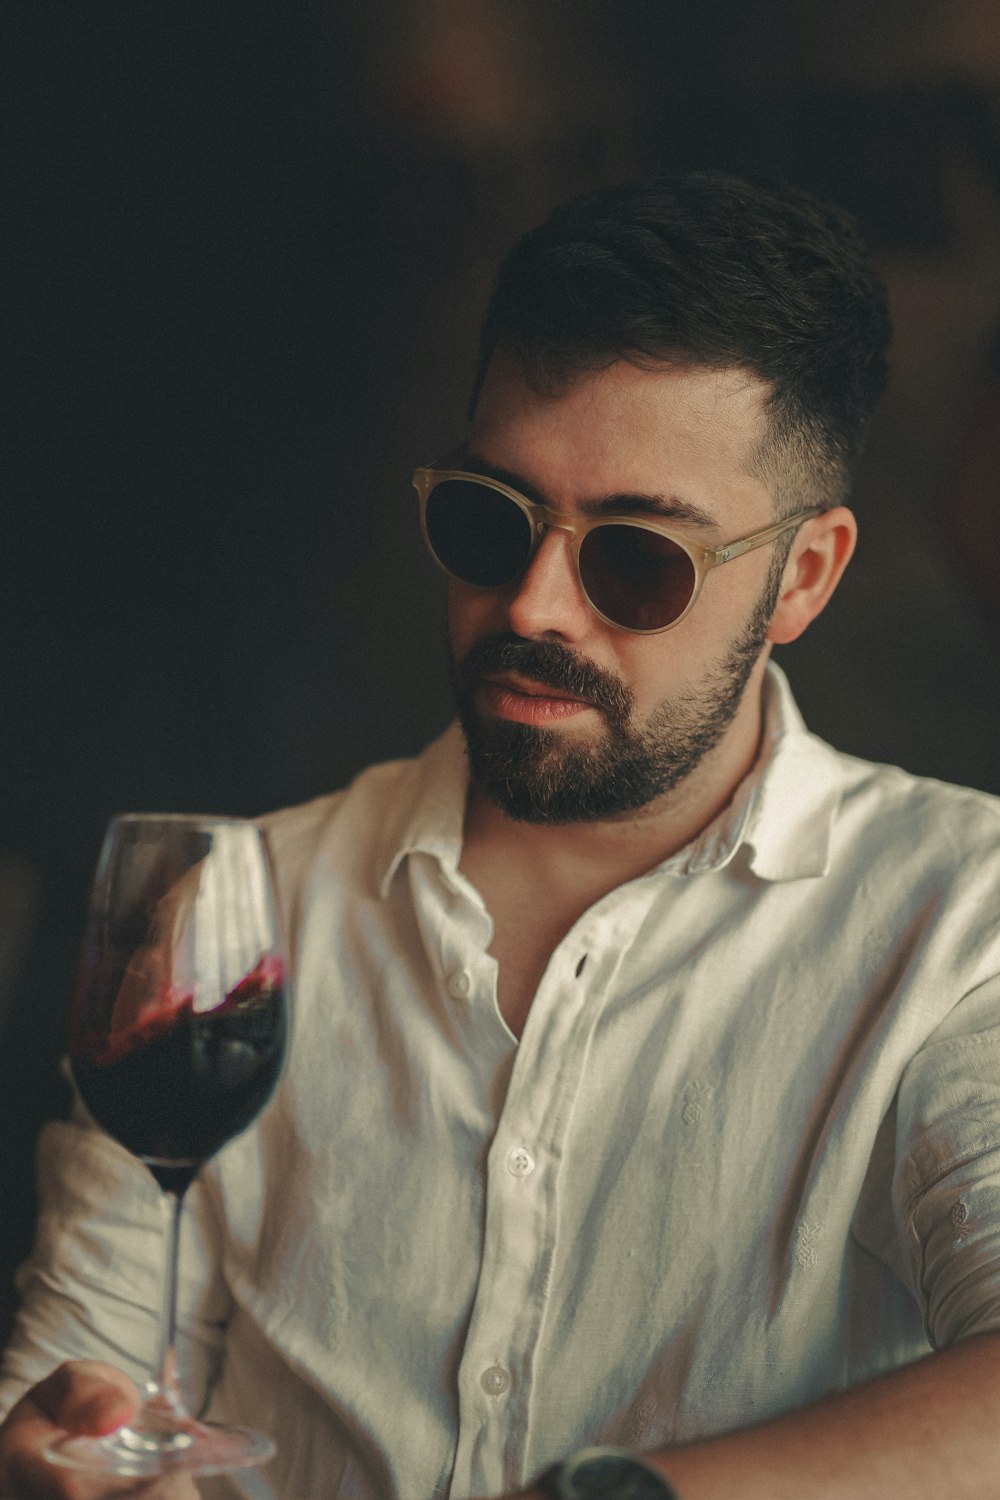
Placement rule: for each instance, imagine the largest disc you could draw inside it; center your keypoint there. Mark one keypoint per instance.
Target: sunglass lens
(639, 579)
(476, 533)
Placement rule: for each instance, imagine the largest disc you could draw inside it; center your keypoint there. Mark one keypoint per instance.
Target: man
(645, 1082)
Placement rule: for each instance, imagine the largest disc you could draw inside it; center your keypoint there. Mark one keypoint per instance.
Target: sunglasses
(637, 574)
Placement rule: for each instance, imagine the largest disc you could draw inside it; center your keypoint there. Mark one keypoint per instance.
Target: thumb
(86, 1396)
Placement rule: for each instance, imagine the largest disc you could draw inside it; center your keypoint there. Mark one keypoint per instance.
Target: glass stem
(163, 1394)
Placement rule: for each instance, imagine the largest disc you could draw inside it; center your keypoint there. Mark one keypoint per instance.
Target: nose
(548, 599)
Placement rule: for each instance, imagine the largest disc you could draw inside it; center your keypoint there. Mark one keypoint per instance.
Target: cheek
(657, 668)
(732, 592)
(472, 613)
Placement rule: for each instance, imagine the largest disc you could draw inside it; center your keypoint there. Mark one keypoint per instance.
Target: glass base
(140, 1453)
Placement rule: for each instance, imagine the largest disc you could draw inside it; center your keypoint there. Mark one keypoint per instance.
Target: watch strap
(604, 1473)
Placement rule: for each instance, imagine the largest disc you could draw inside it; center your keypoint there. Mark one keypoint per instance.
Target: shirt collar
(799, 779)
(781, 813)
(430, 810)
(748, 819)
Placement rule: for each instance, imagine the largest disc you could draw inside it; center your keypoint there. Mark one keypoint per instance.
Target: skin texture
(925, 1431)
(921, 1432)
(532, 774)
(680, 442)
(680, 436)
(81, 1396)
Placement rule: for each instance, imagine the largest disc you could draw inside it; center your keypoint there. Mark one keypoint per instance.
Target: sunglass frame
(541, 519)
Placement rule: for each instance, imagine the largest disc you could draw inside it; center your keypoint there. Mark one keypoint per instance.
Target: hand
(84, 1397)
(532, 1494)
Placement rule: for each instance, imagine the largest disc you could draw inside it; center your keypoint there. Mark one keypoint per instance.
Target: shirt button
(459, 984)
(495, 1380)
(520, 1163)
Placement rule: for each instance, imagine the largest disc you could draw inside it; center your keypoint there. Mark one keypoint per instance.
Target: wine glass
(177, 1035)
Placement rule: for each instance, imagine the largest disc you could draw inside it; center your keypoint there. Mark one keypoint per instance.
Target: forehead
(687, 429)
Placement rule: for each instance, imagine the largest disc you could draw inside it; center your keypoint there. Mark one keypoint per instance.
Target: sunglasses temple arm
(761, 538)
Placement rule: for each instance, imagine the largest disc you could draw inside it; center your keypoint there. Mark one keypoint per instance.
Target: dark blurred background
(246, 248)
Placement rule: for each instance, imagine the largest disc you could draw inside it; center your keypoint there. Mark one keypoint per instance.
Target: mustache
(551, 664)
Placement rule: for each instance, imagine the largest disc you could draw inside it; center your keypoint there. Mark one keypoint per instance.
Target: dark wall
(246, 250)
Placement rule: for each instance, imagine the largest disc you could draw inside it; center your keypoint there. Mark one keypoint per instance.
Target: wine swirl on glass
(177, 1037)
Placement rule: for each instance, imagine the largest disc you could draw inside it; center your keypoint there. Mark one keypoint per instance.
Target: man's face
(567, 718)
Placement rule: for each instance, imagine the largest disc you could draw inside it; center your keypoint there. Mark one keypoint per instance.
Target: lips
(531, 688)
(526, 701)
(508, 677)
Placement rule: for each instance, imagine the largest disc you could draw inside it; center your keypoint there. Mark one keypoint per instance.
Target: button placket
(520, 1162)
(459, 984)
(495, 1380)
(521, 1209)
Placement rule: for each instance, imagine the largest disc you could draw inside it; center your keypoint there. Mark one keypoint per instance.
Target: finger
(82, 1397)
(173, 1487)
(32, 1477)
(86, 1396)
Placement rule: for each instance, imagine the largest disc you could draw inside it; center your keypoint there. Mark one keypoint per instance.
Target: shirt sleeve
(93, 1287)
(947, 1183)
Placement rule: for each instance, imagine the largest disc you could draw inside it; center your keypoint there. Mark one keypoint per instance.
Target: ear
(820, 553)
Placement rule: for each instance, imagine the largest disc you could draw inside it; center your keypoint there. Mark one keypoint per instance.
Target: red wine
(179, 1083)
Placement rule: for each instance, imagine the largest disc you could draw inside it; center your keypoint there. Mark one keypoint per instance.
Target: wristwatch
(604, 1474)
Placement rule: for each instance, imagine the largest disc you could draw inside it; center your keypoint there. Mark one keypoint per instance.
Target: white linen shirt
(746, 1152)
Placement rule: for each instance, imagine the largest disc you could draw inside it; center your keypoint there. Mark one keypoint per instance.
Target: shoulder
(908, 808)
(296, 832)
(820, 811)
(351, 837)
(920, 857)
(348, 820)
(326, 853)
(886, 801)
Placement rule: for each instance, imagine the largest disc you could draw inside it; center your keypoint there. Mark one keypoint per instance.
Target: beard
(535, 775)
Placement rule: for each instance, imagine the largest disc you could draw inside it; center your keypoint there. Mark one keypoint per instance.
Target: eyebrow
(621, 503)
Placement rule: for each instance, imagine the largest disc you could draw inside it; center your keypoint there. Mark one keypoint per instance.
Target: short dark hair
(711, 270)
